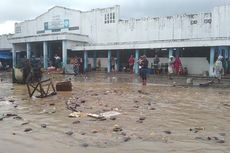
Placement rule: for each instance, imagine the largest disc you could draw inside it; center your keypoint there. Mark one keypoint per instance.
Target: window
(109, 18)
(193, 22)
(113, 17)
(18, 29)
(46, 26)
(207, 20)
(41, 31)
(56, 30)
(66, 23)
(73, 28)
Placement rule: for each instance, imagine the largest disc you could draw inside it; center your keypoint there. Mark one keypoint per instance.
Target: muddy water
(176, 119)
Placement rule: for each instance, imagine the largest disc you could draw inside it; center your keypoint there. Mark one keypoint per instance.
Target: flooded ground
(160, 117)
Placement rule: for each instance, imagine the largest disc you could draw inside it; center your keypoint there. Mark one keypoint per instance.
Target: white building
(101, 33)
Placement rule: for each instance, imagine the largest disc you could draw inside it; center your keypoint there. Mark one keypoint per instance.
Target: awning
(5, 55)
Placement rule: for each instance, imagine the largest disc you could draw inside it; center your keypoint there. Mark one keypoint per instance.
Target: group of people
(175, 66)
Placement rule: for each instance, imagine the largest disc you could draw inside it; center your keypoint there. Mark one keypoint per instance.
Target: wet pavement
(165, 116)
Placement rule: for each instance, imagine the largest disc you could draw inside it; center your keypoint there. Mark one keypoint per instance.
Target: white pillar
(170, 52)
(64, 53)
(28, 50)
(212, 60)
(14, 56)
(136, 65)
(85, 61)
(45, 54)
(109, 62)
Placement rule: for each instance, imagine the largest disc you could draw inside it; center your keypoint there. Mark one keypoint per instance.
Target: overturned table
(44, 87)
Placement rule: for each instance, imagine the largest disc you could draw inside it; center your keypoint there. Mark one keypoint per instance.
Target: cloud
(7, 27)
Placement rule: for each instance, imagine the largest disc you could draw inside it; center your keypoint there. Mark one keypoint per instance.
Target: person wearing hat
(171, 66)
(218, 68)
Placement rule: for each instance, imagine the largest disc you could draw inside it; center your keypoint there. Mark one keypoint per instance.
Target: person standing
(113, 62)
(131, 63)
(144, 70)
(156, 62)
(75, 66)
(171, 66)
(178, 65)
(57, 60)
(218, 68)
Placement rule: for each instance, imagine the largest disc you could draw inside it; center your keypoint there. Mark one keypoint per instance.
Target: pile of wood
(64, 86)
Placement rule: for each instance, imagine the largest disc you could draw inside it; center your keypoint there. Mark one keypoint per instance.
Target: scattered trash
(17, 118)
(7, 115)
(85, 145)
(228, 105)
(43, 125)
(1, 118)
(220, 141)
(69, 133)
(197, 129)
(76, 122)
(113, 118)
(12, 100)
(117, 128)
(142, 118)
(126, 139)
(206, 84)
(25, 123)
(75, 114)
(110, 114)
(167, 132)
(28, 130)
(94, 131)
(189, 81)
(83, 133)
(94, 115)
(139, 121)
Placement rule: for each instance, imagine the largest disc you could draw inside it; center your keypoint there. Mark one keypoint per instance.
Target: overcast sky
(19, 10)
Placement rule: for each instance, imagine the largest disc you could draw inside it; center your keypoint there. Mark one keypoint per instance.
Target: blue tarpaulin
(5, 55)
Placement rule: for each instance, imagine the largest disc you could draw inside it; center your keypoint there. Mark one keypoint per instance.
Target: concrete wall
(55, 18)
(92, 23)
(221, 21)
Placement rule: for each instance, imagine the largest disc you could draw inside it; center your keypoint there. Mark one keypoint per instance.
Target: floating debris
(28, 129)
(69, 133)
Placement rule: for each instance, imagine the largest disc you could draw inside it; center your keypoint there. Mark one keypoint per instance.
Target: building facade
(101, 34)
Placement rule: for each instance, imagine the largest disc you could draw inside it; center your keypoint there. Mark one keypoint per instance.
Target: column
(95, 60)
(212, 60)
(136, 65)
(170, 52)
(28, 50)
(45, 54)
(226, 55)
(118, 59)
(109, 62)
(85, 60)
(224, 52)
(64, 53)
(14, 55)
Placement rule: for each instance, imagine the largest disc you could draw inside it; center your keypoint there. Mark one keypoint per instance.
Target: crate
(64, 86)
